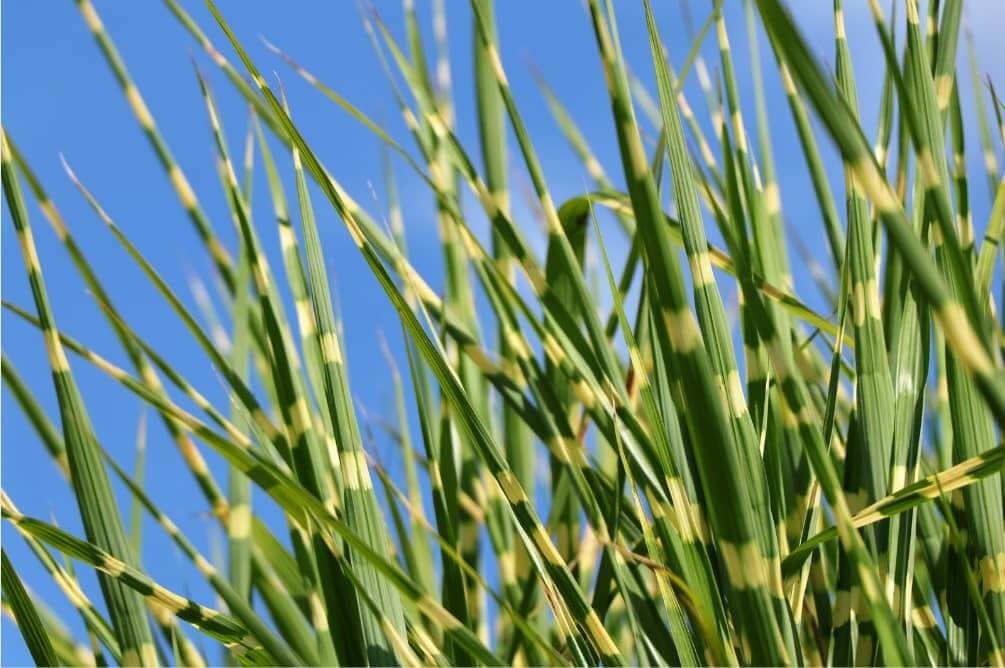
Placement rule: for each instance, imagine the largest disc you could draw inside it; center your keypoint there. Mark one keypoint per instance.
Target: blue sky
(59, 97)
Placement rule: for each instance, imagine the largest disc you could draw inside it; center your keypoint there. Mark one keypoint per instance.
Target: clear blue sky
(59, 97)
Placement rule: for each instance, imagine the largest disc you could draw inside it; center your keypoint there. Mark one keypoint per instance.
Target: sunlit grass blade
(531, 529)
(350, 108)
(291, 497)
(41, 423)
(873, 384)
(90, 481)
(452, 555)
(239, 487)
(930, 487)
(796, 403)
(874, 387)
(741, 535)
(515, 435)
(186, 196)
(713, 464)
(98, 628)
(68, 652)
(418, 545)
(684, 645)
(362, 511)
(960, 332)
(28, 622)
(304, 456)
(211, 621)
(236, 603)
(186, 448)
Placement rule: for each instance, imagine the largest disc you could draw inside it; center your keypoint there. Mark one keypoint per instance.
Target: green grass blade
(28, 622)
(210, 621)
(186, 196)
(531, 529)
(236, 603)
(362, 511)
(930, 487)
(90, 481)
(186, 448)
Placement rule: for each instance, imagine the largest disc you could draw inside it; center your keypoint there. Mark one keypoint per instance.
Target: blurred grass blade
(35, 636)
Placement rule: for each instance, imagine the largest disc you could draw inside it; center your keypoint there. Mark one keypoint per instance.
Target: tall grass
(816, 487)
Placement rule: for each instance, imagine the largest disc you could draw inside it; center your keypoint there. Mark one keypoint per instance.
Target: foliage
(828, 492)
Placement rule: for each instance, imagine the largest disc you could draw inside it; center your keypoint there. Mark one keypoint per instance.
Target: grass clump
(821, 486)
